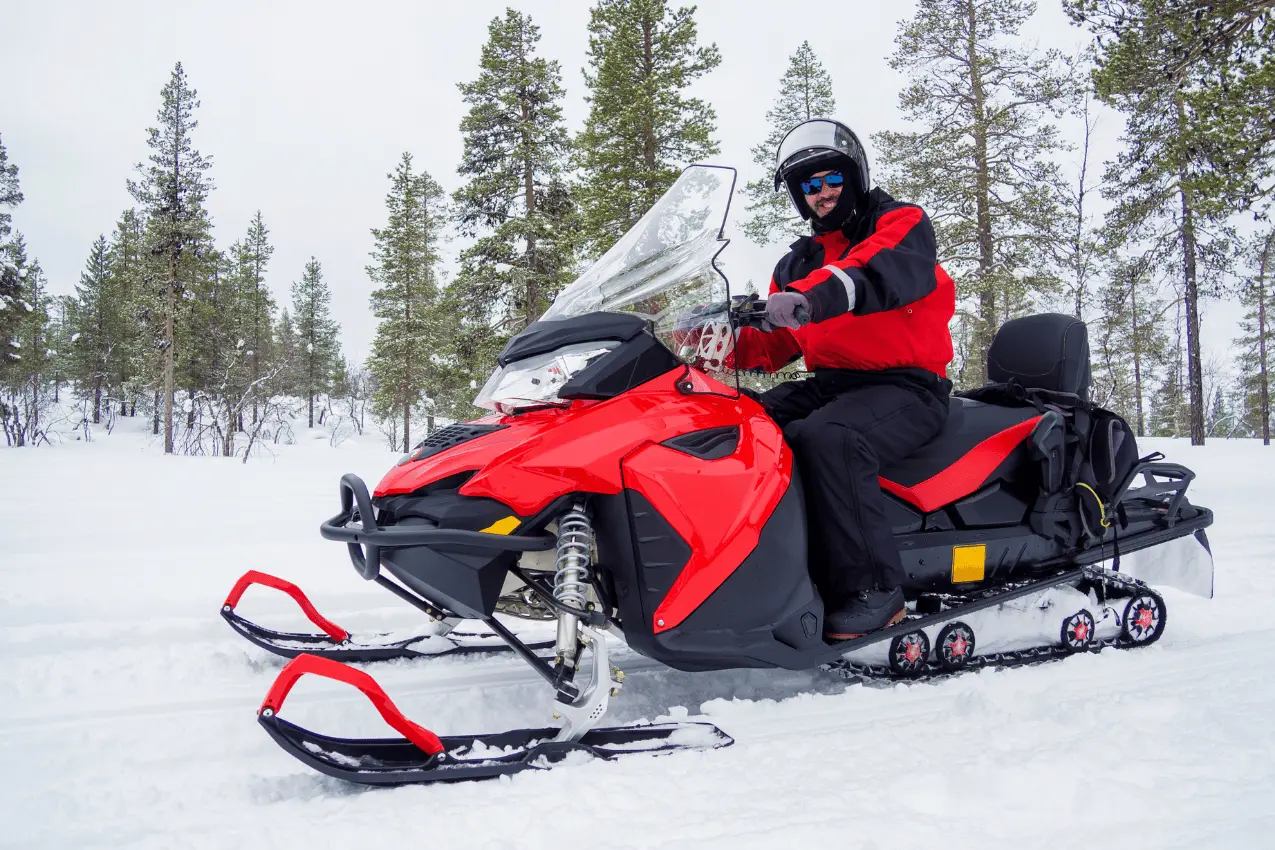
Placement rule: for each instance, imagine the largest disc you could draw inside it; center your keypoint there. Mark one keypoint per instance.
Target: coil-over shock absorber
(571, 576)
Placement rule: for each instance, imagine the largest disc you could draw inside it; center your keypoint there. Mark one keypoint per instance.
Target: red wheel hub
(1146, 618)
(958, 646)
(912, 652)
(1081, 630)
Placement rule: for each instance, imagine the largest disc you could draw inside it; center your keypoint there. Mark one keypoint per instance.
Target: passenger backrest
(1048, 352)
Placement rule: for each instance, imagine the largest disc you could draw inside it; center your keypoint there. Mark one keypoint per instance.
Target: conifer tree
(285, 357)
(24, 376)
(983, 163)
(172, 189)
(133, 356)
(1200, 142)
(10, 286)
(1257, 342)
(805, 92)
(516, 199)
(94, 328)
(318, 353)
(1127, 340)
(253, 257)
(641, 129)
(410, 326)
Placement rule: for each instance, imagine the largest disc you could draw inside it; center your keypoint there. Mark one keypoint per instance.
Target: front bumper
(458, 569)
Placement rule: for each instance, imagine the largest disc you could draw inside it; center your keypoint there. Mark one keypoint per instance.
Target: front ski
(420, 756)
(341, 645)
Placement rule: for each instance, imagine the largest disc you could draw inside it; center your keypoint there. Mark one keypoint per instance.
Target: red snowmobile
(626, 480)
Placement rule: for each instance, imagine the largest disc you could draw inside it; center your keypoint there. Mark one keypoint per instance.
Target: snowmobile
(628, 481)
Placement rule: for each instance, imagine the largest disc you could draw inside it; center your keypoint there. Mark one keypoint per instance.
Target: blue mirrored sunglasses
(815, 184)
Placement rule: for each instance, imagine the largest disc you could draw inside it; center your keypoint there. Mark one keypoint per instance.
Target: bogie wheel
(1077, 631)
(955, 646)
(1144, 619)
(909, 653)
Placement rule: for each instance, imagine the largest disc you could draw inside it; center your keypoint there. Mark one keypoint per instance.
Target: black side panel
(635, 362)
(767, 613)
(545, 336)
(709, 444)
(994, 505)
(661, 552)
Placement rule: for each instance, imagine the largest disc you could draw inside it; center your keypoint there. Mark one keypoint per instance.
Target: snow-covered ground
(127, 707)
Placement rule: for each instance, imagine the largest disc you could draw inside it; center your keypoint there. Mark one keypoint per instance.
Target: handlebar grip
(801, 315)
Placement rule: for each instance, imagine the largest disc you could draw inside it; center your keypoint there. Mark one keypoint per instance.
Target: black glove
(787, 310)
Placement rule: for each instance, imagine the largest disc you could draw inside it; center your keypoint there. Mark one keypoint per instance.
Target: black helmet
(817, 145)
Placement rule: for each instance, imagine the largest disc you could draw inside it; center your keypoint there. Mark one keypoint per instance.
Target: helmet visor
(814, 140)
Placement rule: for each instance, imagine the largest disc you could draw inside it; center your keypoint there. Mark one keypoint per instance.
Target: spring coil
(572, 574)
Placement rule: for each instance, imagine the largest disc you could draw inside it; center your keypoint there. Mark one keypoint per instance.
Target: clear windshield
(662, 269)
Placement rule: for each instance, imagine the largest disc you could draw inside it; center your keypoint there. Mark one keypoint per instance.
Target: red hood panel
(549, 453)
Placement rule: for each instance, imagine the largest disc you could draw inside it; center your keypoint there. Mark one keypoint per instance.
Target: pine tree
(1198, 133)
(253, 258)
(984, 163)
(641, 129)
(24, 376)
(1257, 342)
(95, 328)
(10, 285)
(516, 201)
(285, 358)
(318, 351)
(805, 92)
(172, 189)
(410, 325)
(1127, 340)
(129, 258)
(1170, 408)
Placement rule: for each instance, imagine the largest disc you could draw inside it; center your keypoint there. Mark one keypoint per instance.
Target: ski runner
(878, 343)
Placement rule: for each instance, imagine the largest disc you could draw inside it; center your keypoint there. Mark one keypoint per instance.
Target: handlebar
(749, 311)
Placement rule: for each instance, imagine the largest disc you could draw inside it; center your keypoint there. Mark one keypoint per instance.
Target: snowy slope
(127, 707)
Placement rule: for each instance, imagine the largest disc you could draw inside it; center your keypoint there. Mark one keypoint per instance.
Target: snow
(127, 706)
(75, 337)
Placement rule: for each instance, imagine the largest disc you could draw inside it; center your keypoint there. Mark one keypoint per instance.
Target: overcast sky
(306, 106)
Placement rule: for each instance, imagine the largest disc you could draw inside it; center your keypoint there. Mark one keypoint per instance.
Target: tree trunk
(1137, 353)
(1263, 380)
(407, 424)
(648, 134)
(530, 311)
(97, 400)
(169, 337)
(155, 415)
(1191, 299)
(987, 307)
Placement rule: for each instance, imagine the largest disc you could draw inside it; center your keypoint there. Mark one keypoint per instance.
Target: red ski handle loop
(424, 739)
(254, 577)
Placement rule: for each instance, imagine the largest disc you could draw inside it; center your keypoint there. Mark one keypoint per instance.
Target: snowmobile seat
(978, 444)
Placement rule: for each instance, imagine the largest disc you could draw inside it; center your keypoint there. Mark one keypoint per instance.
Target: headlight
(535, 381)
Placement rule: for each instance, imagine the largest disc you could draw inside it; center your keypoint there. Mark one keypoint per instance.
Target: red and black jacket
(901, 305)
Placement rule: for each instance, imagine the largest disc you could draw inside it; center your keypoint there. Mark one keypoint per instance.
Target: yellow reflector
(968, 563)
(502, 526)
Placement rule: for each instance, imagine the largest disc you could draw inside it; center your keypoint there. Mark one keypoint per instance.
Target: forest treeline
(168, 323)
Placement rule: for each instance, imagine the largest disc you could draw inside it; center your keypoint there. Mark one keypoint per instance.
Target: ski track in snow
(127, 706)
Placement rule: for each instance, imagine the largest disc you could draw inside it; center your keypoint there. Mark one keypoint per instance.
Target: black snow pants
(843, 426)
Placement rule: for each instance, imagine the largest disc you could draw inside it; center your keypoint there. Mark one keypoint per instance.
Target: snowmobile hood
(541, 455)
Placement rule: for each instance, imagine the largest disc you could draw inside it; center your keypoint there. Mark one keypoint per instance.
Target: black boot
(866, 611)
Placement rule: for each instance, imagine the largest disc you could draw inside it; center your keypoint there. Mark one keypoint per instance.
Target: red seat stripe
(967, 474)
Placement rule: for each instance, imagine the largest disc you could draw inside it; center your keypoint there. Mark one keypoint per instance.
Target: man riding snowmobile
(878, 343)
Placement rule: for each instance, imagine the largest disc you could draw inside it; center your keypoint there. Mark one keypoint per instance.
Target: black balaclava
(849, 202)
